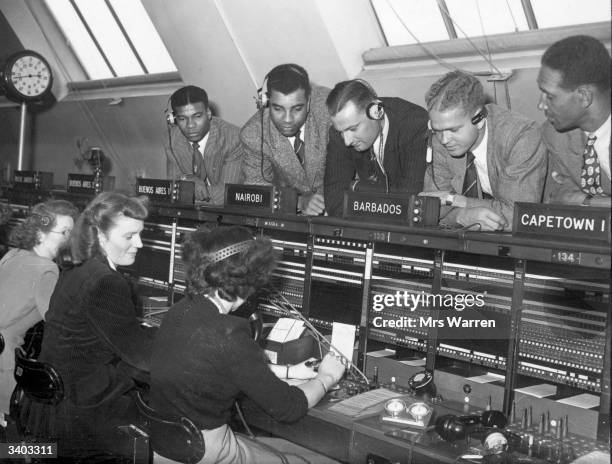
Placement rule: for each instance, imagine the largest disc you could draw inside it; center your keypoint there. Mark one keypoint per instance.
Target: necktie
(590, 176)
(196, 158)
(298, 147)
(470, 181)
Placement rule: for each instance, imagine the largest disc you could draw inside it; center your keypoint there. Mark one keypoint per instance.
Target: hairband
(228, 251)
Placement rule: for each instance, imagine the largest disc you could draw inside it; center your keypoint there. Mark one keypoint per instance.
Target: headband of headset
(375, 109)
(263, 93)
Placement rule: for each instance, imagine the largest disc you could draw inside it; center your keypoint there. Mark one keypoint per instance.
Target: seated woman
(27, 278)
(92, 335)
(204, 358)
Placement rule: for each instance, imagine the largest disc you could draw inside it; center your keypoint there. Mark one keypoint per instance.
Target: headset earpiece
(452, 428)
(43, 219)
(375, 110)
(170, 118)
(261, 99)
(479, 117)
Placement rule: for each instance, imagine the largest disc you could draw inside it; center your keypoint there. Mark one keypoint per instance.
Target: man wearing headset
(286, 139)
(575, 84)
(375, 145)
(484, 157)
(200, 147)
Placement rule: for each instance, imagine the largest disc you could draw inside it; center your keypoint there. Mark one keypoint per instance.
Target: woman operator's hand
(332, 369)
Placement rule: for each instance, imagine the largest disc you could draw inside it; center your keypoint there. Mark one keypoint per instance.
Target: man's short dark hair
(581, 60)
(189, 94)
(287, 78)
(356, 90)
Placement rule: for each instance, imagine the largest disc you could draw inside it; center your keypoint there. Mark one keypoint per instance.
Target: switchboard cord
(287, 308)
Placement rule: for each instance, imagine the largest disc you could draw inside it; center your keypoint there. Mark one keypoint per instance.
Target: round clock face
(27, 76)
(30, 76)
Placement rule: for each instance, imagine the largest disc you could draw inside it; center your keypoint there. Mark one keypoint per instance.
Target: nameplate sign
(412, 210)
(89, 184)
(166, 191)
(32, 180)
(567, 223)
(260, 198)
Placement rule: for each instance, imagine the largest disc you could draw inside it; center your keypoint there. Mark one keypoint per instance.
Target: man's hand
(201, 189)
(446, 198)
(311, 205)
(558, 178)
(488, 219)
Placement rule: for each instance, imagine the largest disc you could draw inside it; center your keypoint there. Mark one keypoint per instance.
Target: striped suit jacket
(222, 159)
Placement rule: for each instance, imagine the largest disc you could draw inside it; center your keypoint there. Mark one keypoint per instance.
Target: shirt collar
(603, 133)
(377, 143)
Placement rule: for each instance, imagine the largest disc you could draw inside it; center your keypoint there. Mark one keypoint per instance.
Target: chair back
(175, 438)
(38, 380)
(32, 340)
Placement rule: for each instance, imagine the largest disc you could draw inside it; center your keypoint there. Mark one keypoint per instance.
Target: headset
(262, 99)
(478, 117)
(375, 109)
(452, 428)
(170, 118)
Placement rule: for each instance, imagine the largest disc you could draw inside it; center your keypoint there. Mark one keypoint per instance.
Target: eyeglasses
(65, 233)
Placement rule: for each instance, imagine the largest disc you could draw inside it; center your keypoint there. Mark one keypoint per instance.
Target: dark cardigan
(203, 360)
(94, 340)
(404, 160)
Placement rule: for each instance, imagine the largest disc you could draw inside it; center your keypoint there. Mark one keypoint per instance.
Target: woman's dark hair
(42, 218)
(238, 275)
(100, 215)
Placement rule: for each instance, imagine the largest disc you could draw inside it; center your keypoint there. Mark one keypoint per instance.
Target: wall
(227, 47)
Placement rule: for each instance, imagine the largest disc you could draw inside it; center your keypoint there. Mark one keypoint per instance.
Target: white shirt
(292, 139)
(602, 145)
(480, 160)
(202, 144)
(376, 146)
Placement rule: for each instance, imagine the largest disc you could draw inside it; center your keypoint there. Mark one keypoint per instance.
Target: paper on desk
(358, 404)
(343, 339)
(414, 362)
(381, 353)
(487, 378)
(584, 400)
(540, 391)
(286, 329)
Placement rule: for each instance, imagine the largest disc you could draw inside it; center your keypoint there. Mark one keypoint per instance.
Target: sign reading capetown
(563, 222)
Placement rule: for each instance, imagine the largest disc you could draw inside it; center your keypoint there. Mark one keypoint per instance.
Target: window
(412, 21)
(111, 38)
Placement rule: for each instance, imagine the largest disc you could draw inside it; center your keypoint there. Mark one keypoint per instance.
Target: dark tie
(196, 158)
(298, 147)
(470, 182)
(590, 176)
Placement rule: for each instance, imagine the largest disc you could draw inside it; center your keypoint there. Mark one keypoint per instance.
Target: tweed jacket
(222, 157)
(277, 163)
(404, 160)
(516, 161)
(565, 156)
